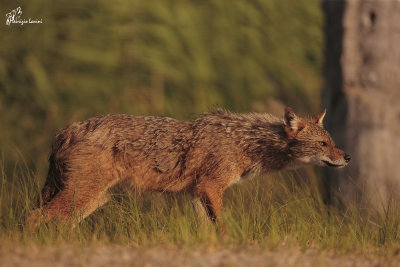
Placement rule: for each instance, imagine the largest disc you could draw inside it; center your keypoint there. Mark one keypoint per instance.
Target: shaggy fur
(204, 157)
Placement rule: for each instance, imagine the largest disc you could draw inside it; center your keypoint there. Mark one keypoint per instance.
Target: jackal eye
(322, 143)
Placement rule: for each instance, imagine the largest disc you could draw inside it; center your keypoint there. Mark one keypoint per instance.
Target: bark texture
(362, 95)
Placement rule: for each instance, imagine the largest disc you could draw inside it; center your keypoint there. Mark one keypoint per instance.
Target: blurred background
(170, 58)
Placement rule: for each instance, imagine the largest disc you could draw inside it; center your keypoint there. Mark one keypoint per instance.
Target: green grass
(268, 211)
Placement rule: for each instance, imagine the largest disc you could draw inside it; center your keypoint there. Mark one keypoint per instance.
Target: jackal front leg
(201, 211)
(211, 200)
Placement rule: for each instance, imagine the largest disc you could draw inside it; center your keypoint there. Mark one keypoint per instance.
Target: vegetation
(264, 212)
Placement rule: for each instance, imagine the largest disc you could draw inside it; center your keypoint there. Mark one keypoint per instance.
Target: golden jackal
(204, 157)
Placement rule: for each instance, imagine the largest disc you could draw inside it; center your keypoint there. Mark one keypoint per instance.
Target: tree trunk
(362, 95)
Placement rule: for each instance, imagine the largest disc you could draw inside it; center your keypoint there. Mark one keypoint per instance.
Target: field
(280, 218)
(106, 255)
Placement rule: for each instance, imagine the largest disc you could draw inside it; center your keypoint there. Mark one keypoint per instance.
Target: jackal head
(310, 144)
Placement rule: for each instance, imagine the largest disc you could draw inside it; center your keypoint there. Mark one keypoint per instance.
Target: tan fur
(204, 157)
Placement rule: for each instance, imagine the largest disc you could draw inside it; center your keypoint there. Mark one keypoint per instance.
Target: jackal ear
(319, 117)
(293, 124)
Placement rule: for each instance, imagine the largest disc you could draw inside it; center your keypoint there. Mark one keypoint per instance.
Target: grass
(268, 211)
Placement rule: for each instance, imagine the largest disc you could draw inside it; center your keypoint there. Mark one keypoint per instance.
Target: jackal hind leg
(69, 206)
(92, 205)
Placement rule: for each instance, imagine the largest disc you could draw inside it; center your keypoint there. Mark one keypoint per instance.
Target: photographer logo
(14, 17)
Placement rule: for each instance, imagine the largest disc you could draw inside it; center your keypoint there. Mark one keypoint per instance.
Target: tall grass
(268, 211)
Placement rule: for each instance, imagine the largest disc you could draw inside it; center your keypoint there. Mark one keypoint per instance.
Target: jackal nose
(347, 157)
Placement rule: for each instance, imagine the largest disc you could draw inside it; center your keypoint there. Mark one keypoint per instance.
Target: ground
(111, 255)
